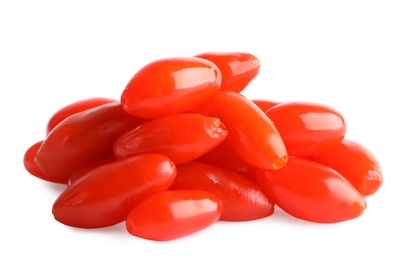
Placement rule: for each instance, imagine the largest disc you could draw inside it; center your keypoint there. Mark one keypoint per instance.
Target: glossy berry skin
(83, 138)
(222, 156)
(356, 163)
(238, 69)
(252, 135)
(307, 128)
(31, 166)
(106, 195)
(182, 137)
(75, 107)
(88, 168)
(170, 86)
(265, 104)
(312, 191)
(173, 214)
(242, 198)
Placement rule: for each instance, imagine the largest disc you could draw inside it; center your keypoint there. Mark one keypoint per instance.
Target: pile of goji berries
(182, 148)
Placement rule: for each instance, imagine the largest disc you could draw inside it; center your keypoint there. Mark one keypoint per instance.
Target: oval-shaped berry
(170, 86)
(252, 136)
(106, 195)
(182, 137)
(307, 128)
(83, 138)
(312, 191)
(173, 214)
(356, 163)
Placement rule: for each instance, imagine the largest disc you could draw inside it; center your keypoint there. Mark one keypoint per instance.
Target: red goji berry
(170, 86)
(312, 191)
(181, 137)
(173, 214)
(106, 195)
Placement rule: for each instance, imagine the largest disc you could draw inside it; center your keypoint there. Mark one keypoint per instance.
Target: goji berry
(173, 214)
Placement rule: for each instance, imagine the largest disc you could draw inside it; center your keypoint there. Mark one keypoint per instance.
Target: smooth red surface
(222, 156)
(242, 198)
(83, 138)
(106, 195)
(252, 136)
(75, 107)
(173, 214)
(312, 191)
(31, 166)
(238, 69)
(170, 86)
(183, 148)
(265, 104)
(181, 137)
(88, 168)
(307, 128)
(356, 163)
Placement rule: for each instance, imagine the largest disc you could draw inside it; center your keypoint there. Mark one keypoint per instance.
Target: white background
(352, 55)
